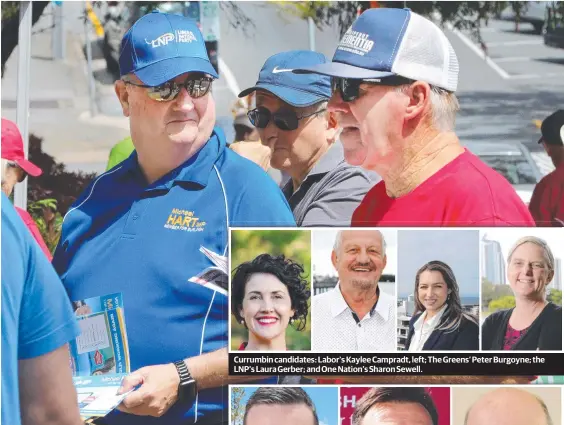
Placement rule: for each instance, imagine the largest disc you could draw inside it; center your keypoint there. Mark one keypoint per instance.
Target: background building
(493, 264)
(557, 282)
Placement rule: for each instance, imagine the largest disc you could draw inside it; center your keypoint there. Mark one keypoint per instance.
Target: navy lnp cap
(298, 90)
(552, 129)
(160, 46)
(388, 42)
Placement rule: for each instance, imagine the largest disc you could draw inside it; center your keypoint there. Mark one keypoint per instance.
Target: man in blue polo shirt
(37, 323)
(155, 227)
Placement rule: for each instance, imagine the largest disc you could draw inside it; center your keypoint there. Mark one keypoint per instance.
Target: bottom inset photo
(507, 405)
(281, 405)
(395, 405)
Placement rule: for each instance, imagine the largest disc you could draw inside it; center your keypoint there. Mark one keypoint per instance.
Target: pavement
(500, 95)
(59, 100)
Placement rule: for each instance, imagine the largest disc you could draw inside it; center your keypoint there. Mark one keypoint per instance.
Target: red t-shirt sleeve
(30, 224)
(540, 203)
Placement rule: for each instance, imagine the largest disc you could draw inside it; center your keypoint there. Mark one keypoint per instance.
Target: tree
(487, 291)
(237, 407)
(469, 15)
(555, 296)
(11, 25)
(502, 303)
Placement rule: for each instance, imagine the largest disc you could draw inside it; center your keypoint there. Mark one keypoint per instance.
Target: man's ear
(123, 96)
(332, 127)
(419, 96)
(334, 259)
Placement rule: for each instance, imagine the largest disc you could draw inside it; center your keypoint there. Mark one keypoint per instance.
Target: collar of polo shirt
(195, 170)
(339, 305)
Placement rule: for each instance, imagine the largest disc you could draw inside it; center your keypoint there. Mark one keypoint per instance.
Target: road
(499, 96)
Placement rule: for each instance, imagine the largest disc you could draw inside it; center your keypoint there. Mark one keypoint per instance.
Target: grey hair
(316, 107)
(339, 240)
(444, 106)
(547, 252)
(549, 420)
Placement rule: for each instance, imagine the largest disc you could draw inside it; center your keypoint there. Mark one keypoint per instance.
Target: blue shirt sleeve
(46, 320)
(262, 205)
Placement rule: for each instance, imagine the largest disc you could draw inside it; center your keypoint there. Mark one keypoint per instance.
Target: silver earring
(242, 321)
(291, 321)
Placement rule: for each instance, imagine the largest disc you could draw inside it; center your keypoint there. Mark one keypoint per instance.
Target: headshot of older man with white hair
(356, 314)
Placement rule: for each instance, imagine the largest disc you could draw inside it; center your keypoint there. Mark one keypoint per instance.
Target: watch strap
(183, 371)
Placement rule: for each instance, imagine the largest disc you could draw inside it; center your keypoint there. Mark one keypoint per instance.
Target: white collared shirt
(335, 329)
(423, 329)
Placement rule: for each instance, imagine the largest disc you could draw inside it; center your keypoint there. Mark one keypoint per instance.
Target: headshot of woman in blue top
(439, 321)
(268, 294)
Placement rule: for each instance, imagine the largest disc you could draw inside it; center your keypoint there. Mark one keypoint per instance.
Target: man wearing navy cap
(155, 228)
(292, 120)
(394, 75)
(547, 202)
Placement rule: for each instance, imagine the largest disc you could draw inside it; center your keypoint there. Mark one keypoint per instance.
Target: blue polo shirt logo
(184, 220)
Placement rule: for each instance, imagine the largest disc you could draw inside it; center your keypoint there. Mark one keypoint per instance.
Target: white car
(513, 161)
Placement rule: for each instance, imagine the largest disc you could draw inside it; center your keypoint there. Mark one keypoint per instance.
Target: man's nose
(184, 101)
(337, 104)
(363, 257)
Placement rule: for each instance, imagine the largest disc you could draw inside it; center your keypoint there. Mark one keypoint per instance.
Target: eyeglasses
(349, 88)
(197, 86)
(284, 120)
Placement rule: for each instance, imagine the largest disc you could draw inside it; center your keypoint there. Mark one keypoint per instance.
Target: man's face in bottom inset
(280, 414)
(397, 413)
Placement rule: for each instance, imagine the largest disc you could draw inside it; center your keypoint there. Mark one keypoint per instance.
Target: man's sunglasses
(349, 88)
(197, 86)
(284, 120)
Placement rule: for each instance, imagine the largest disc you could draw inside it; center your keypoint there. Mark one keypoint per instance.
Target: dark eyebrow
(260, 293)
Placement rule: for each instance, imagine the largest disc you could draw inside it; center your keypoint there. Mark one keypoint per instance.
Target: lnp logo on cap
(356, 42)
(181, 36)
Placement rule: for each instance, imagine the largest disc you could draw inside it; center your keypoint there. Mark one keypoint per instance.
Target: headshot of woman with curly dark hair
(268, 294)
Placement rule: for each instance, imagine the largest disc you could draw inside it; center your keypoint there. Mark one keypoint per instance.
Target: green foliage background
(294, 244)
(500, 297)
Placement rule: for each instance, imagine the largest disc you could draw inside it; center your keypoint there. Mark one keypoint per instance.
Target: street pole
(311, 26)
(91, 83)
(22, 107)
(58, 40)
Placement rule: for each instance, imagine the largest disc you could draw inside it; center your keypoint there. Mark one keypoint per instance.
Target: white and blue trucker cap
(388, 42)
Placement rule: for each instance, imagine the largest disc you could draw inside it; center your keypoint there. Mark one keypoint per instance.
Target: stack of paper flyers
(99, 356)
(101, 348)
(97, 395)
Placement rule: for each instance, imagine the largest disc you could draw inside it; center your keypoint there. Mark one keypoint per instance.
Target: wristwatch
(187, 388)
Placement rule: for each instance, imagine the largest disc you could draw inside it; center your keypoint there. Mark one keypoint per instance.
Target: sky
(508, 236)
(325, 399)
(322, 245)
(459, 248)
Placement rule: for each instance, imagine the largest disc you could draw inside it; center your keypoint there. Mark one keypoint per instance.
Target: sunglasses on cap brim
(349, 88)
(284, 120)
(197, 85)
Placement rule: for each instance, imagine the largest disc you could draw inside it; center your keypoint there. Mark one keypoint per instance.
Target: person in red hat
(16, 170)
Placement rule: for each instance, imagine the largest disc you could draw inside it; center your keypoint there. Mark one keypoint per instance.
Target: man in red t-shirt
(17, 168)
(547, 202)
(394, 77)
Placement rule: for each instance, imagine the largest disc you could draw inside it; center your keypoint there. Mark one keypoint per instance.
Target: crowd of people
(366, 139)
